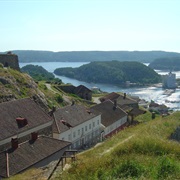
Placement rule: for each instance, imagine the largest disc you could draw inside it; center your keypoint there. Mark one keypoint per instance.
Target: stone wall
(10, 60)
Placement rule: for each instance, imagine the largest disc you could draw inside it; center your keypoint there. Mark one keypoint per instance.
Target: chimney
(124, 96)
(14, 143)
(115, 104)
(34, 136)
(21, 122)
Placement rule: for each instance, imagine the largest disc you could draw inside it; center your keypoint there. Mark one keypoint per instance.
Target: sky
(85, 25)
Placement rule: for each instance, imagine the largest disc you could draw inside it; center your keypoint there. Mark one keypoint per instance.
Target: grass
(148, 154)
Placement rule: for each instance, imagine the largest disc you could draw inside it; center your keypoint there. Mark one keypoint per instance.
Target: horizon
(89, 25)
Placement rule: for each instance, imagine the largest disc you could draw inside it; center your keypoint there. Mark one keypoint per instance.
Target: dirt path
(108, 150)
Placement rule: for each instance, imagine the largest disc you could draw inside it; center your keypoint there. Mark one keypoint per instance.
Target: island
(171, 64)
(112, 72)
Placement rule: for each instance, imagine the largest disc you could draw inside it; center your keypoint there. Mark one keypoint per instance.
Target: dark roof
(25, 108)
(81, 89)
(124, 100)
(112, 96)
(28, 154)
(72, 115)
(109, 114)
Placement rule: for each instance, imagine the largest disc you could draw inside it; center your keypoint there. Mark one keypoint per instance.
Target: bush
(166, 168)
(129, 168)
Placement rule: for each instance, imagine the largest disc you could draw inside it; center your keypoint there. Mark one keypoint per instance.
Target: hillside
(17, 85)
(171, 64)
(112, 72)
(89, 56)
(129, 155)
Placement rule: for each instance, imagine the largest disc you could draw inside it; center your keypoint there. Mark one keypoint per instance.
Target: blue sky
(75, 25)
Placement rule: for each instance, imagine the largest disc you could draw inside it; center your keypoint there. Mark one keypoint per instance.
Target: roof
(28, 154)
(109, 114)
(72, 115)
(112, 96)
(25, 108)
(124, 100)
(81, 89)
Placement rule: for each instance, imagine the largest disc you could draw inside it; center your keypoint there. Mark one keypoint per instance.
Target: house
(77, 125)
(32, 153)
(123, 101)
(81, 91)
(22, 124)
(20, 118)
(113, 118)
(111, 96)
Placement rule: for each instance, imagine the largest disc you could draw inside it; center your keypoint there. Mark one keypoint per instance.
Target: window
(63, 138)
(69, 137)
(74, 134)
(93, 124)
(89, 126)
(98, 121)
(85, 128)
(79, 132)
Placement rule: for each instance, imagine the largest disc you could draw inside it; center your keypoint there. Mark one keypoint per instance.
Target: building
(113, 118)
(10, 60)
(123, 101)
(169, 81)
(32, 153)
(81, 91)
(77, 125)
(25, 137)
(20, 118)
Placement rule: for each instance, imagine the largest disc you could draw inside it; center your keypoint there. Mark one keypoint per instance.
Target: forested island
(38, 73)
(89, 56)
(112, 72)
(171, 64)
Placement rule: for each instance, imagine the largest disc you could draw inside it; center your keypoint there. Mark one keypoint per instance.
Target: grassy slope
(143, 152)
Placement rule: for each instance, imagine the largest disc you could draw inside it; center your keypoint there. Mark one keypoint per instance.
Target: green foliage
(59, 98)
(112, 72)
(167, 167)
(171, 64)
(129, 168)
(38, 73)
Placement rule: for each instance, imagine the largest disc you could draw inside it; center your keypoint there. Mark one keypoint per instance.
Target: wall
(10, 60)
(83, 134)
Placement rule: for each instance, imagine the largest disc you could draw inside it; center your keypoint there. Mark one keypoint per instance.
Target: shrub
(166, 168)
(129, 168)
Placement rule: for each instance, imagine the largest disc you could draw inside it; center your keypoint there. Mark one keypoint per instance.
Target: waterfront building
(169, 81)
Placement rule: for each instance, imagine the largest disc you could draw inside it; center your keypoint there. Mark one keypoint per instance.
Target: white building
(169, 81)
(113, 118)
(77, 125)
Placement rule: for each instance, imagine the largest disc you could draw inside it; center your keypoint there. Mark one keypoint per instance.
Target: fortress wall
(10, 60)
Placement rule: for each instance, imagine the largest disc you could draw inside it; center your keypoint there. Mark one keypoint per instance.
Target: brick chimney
(21, 122)
(34, 136)
(14, 143)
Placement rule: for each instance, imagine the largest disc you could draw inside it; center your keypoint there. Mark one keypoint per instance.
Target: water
(147, 93)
